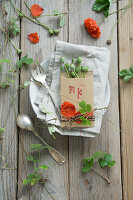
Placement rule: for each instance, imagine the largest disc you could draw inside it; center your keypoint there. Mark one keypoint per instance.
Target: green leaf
(43, 166)
(87, 165)
(30, 176)
(26, 181)
(4, 60)
(31, 158)
(102, 162)
(88, 108)
(61, 22)
(124, 72)
(127, 78)
(2, 130)
(28, 61)
(111, 163)
(102, 6)
(4, 85)
(12, 28)
(26, 83)
(131, 68)
(82, 111)
(106, 11)
(85, 122)
(97, 155)
(82, 104)
(34, 181)
(24, 60)
(107, 157)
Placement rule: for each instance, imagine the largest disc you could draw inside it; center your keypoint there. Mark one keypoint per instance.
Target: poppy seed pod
(62, 60)
(56, 32)
(61, 68)
(73, 74)
(67, 65)
(51, 32)
(77, 69)
(79, 60)
(72, 67)
(84, 69)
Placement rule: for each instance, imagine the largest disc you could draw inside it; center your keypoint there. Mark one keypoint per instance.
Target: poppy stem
(108, 181)
(10, 40)
(36, 22)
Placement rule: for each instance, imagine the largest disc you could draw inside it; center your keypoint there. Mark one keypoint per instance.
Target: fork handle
(53, 99)
(59, 158)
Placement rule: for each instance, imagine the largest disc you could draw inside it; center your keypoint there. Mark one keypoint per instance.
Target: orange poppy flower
(68, 109)
(92, 27)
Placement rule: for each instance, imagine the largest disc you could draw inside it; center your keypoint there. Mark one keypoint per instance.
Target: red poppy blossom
(68, 109)
(36, 10)
(92, 27)
(33, 37)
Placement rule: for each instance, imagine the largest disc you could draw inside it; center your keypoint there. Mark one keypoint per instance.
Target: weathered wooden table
(67, 181)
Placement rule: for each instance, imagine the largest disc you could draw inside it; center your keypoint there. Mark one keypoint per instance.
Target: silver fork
(39, 75)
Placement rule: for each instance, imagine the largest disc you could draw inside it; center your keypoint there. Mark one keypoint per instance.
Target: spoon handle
(59, 158)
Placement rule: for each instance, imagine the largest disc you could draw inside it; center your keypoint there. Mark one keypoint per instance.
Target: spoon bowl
(25, 122)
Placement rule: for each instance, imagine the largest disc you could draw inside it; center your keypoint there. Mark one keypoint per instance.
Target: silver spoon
(25, 122)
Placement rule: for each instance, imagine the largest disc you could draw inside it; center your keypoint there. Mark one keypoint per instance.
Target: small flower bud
(19, 51)
(62, 60)
(77, 69)
(72, 67)
(67, 65)
(51, 32)
(73, 74)
(61, 68)
(79, 60)
(56, 32)
(84, 69)
(20, 15)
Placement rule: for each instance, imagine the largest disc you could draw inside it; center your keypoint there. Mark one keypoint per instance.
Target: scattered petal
(33, 37)
(36, 10)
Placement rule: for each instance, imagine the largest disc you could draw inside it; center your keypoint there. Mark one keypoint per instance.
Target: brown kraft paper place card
(75, 90)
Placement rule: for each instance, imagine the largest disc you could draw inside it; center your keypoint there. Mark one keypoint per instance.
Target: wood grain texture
(90, 185)
(9, 147)
(126, 104)
(57, 175)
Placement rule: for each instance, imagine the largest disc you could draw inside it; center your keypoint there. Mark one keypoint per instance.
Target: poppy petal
(36, 10)
(33, 37)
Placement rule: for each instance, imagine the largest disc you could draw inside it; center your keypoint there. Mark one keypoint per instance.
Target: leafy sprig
(102, 6)
(126, 74)
(84, 109)
(24, 60)
(103, 160)
(12, 29)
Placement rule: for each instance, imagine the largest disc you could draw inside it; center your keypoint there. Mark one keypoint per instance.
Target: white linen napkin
(98, 60)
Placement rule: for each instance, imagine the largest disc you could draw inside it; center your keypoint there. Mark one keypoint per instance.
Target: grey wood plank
(57, 175)
(8, 178)
(90, 185)
(126, 93)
